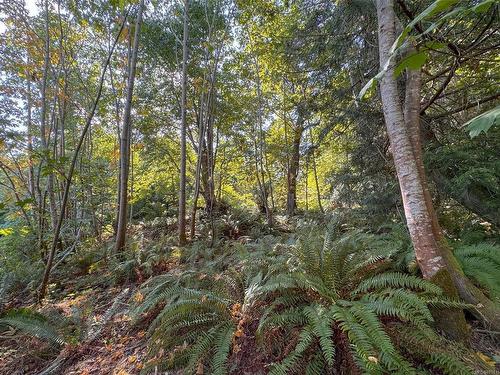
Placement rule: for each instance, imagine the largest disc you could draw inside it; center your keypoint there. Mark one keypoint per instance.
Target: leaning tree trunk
(485, 310)
(125, 140)
(429, 256)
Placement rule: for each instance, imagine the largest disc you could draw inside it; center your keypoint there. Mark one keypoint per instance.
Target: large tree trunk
(419, 219)
(125, 139)
(182, 183)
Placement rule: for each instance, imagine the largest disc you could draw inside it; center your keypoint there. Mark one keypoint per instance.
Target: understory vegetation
(295, 300)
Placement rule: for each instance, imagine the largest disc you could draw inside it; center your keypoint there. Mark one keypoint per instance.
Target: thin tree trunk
(125, 140)
(119, 137)
(293, 169)
(29, 128)
(318, 192)
(182, 183)
(197, 181)
(131, 210)
(419, 220)
(57, 231)
(261, 164)
(43, 116)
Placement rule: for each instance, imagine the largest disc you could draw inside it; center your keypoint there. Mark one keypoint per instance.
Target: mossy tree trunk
(405, 149)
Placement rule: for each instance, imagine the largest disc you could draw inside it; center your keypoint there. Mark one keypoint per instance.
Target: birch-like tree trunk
(125, 139)
(418, 214)
(182, 183)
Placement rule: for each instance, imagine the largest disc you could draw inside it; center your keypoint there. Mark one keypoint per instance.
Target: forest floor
(119, 347)
(113, 342)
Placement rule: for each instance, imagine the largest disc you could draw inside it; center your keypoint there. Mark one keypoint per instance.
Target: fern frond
(320, 321)
(222, 348)
(32, 323)
(305, 339)
(448, 365)
(396, 280)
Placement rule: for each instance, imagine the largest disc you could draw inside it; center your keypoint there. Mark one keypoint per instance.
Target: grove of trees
(254, 186)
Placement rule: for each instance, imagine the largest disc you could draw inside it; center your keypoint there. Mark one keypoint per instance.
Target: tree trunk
(43, 117)
(429, 256)
(293, 169)
(182, 184)
(261, 164)
(125, 139)
(315, 171)
(29, 128)
(57, 231)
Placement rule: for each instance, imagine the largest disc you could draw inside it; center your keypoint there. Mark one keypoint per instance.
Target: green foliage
(20, 267)
(481, 262)
(327, 293)
(196, 326)
(483, 122)
(32, 323)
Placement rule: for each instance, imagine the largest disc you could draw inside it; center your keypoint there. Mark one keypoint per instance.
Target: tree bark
(43, 116)
(261, 162)
(419, 219)
(293, 169)
(125, 139)
(315, 171)
(182, 183)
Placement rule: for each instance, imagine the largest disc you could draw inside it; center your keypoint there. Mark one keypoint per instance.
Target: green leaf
(371, 84)
(413, 62)
(23, 202)
(483, 6)
(483, 122)
(434, 8)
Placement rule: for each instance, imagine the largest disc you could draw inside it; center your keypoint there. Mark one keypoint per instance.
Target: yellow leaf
(489, 361)
(138, 297)
(373, 359)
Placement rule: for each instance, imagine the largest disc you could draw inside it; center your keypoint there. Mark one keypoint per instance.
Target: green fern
(197, 326)
(32, 323)
(335, 286)
(330, 297)
(481, 263)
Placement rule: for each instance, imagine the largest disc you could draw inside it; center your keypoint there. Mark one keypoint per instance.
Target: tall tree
(416, 207)
(182, 183)
(125, 138)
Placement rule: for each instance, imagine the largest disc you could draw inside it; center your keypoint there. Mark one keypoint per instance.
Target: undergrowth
(327, 303)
